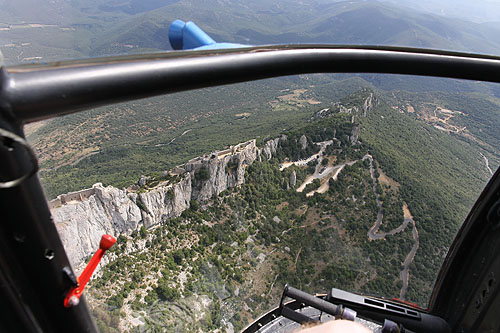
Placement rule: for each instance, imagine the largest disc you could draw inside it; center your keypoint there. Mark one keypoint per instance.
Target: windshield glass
(220, 196)
(318, 181)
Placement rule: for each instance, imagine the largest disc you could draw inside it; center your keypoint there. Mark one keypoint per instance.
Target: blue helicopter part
(188, 36)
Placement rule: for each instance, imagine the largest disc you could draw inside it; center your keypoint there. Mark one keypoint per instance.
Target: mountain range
(81, 28)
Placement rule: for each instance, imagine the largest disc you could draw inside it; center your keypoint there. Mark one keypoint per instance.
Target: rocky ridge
(83, 217)
(369, 101)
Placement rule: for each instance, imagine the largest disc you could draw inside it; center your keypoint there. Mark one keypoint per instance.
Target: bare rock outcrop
(220, 172)
(369, 103)
(354, 137)
(165, 202)
(323, 113)
(81, 224)
(303, 142)
(293, 179)
(83, 217)
(271, 146)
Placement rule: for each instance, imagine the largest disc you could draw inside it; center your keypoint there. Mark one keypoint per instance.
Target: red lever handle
(414, 305)
(73, 296)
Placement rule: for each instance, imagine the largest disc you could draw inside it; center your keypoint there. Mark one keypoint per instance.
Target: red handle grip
(73, 296)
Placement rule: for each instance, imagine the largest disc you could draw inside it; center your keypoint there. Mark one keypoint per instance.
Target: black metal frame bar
(274, 314)
(378, 309)
(34, 93)
(337, 311)
(32, 258)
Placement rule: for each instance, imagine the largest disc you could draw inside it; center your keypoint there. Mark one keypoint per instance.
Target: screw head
(73, 301)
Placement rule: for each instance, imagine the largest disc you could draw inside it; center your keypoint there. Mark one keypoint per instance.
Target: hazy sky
(479, 11)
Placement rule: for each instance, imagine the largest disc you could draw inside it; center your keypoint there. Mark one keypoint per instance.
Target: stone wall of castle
(71, 197)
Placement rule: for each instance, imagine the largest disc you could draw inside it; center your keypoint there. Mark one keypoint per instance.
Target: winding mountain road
(375, 234)
(405, 273)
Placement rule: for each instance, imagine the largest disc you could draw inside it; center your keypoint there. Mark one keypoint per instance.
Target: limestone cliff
(223, 170)
(369, 102)
(82, 223)
(270, 146)
(83, 217)
(163, 202)
(293, 179)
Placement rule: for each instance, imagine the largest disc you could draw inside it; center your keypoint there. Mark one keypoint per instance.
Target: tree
(165, 293)
(143, 233)
(178, 256)
(194, 205)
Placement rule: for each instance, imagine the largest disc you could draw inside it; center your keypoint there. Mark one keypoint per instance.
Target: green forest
(237, 251)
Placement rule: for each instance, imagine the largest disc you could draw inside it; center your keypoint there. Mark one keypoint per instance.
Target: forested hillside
(234, 253)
